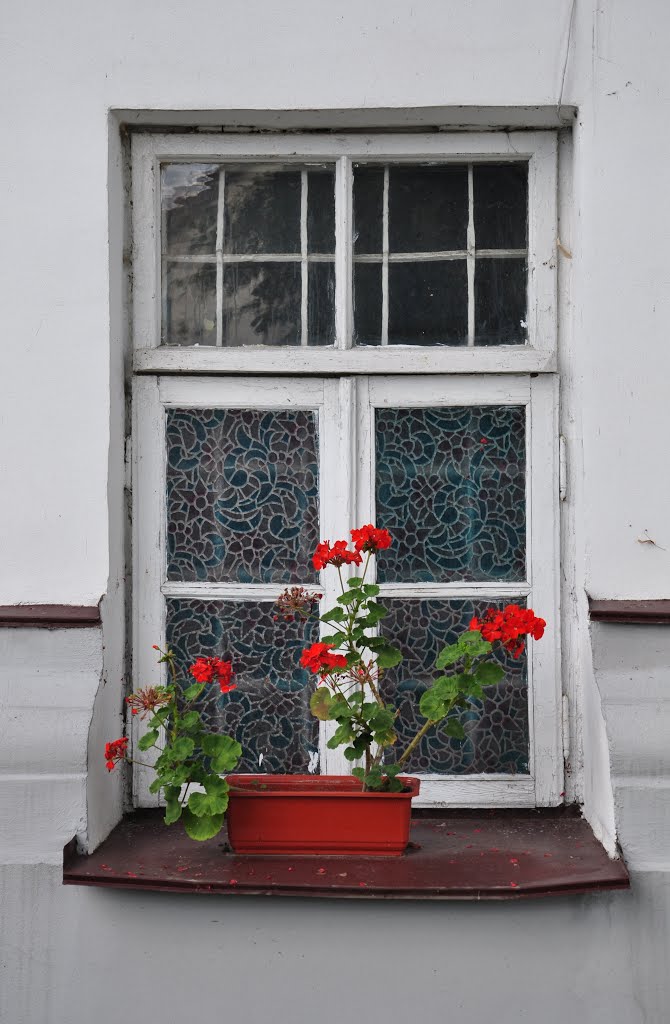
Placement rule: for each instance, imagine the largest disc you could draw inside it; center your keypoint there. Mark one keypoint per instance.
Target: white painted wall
(64, 954)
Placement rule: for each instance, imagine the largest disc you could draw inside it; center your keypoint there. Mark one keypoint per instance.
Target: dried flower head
(296, 603)
(148, 700)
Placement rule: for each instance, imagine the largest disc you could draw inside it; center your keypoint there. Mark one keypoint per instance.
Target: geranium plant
(189, 756)
(351, 660)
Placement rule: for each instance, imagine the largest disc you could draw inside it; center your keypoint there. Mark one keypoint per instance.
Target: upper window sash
(539, 149)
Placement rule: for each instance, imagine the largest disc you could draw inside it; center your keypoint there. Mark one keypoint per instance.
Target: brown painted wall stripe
(48, 616)
(643, 613)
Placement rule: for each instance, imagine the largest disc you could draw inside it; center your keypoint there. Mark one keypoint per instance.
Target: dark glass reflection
(367, 303)
(428, 303)
(321, 212)
(500, 301)
(428, 209)
(368, 202)
(321, 303)
(261, 211)
(500, 194)
(189, 197)
(261, 303)
(190, 304)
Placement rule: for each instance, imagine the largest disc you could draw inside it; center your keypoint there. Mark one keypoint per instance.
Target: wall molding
(49, 616)
(643, 613)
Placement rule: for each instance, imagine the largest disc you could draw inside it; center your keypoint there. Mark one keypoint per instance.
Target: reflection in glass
(451, 488)
(496, 728)
(368, 203)
(268, 712)
(321, 212)
(428, 303)
(501, 205)
(242, 495)
(428, 209)
(321, 303)
(367, 303)
(261, 212)
(190, 304)
(500, 301)
(261, 303)
(189, 197)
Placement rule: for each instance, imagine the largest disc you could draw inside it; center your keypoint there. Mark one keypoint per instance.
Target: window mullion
(303, 257)
(343, 252)
(471, 257)
(219, 258)
(385, 259)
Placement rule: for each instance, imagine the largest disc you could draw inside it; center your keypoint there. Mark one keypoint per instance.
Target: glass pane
(242, 495)
(268, 712)
(321, 303)
(321, 212)
(189, 195)
(500, 193)
(190, 304)
(367, 303)
(428, 209)
(497, 738)
(500, 301)
(368, 209)
(261, 211)
(451, 489)
(261, 303)
(428, 303)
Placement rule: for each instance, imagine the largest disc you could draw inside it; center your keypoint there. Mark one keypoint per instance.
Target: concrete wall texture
(70, 956)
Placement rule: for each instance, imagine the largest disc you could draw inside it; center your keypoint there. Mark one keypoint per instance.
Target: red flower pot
(317, 814)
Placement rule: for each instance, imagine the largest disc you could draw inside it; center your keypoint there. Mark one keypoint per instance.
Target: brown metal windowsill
(454, 855)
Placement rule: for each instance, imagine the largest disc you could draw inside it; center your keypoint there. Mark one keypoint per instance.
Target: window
(332, 330)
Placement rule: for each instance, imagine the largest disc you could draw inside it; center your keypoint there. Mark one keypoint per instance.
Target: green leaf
(388, 657)
(488, 674)
(191, 720)
(449, 655)
(173, 808)
(370, 589)
(355, 581)
(343, 734)
(159, 718)
(156, 786)
(349, 597)
(473, 644)
(148, 739)
(447, 687)
(374, 779)
(204, 827)
(224, 751)
(351, 754)
(432, 706)
(334, 615)
(193, 691)
(332, 638)
(375, 613)
(208, 803)
(182, 748)
(454, 729)
(358, 773)
(320, 703)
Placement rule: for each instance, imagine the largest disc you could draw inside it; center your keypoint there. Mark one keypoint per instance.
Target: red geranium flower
(369, 538)
(337, 555)
(115, 751)
(213, 670)
(320, 659)
(509, 626)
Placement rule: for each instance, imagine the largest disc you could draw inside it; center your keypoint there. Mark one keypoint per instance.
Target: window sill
(453, 855)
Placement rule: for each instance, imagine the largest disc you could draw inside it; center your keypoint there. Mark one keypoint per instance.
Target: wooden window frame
(539, 149)
(463, 374)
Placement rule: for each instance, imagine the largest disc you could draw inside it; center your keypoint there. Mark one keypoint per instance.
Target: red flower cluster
(509, 626)
(369, 538)
(319, 658)
(213, 670)
(337, 555)
(115, 752)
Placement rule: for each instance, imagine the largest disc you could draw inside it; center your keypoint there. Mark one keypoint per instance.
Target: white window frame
(345, 417)
(515, 374)
(538, 148)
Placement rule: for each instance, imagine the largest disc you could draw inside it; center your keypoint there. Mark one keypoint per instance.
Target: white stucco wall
(65, 954)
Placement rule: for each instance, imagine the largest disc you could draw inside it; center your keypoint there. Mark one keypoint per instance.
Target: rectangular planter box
(322, 814)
